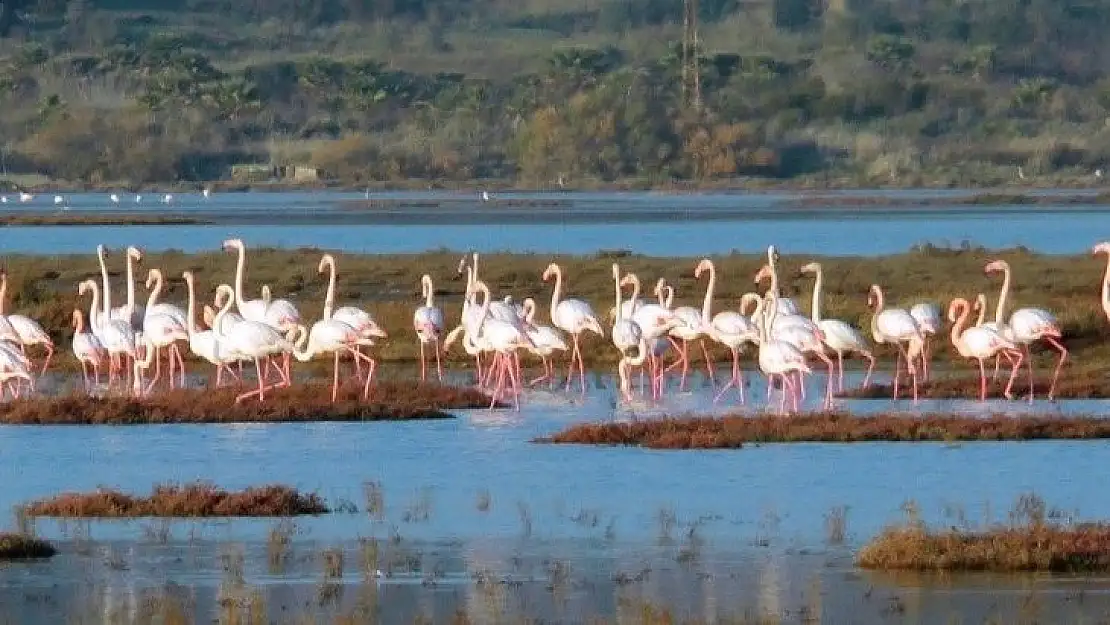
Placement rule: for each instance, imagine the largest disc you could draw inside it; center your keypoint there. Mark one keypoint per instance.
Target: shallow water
(472, 496)
(630, 221)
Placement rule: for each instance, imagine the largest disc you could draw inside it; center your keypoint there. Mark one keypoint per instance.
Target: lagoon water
(646, 223)
(479, 519)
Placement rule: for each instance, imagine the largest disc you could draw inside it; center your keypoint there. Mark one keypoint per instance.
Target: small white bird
(167, 198)
(25, 197)
(206, 193)
(485, 196)
(59, 200)
(138, 198)
(114, 198)
(3, 199)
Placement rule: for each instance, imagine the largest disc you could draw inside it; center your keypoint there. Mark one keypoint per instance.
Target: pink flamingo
(574, 317)
(428, 323)
(895, 325)
(87, 349)
(980, 343)
(1026, 326)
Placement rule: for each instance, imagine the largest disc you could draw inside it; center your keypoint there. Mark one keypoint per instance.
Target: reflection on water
(874, 230)
(477, 518)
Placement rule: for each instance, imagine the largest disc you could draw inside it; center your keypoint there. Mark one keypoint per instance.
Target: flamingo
(428, 323)
(129, 312)
(59, 200)
(363, 323)
(896, 325)
(25, 197)
(1027, 326)
(546, 339)
(330, 335)
(114, 198)
(838, 335)
(27, 331)
(655, 322)
(252, 340)
(155, 282)
(573, 316)
(504, 339)
(162, 330)
(278, 313)
(626, 333)
(167, 198)
(691, 328)
(116, 335)
(142, 363)
(87, 349)
(980, 343)
(497, 309)
(927, 316)
(205, 343)
(729, 328)
(778, 357)
(625, 364)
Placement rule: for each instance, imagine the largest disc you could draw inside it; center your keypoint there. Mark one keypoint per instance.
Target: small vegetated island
(112, 93)
(197, 499)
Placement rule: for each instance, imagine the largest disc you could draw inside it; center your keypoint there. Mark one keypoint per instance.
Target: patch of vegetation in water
(389, 401)
(198, 499)
(1035, 539)
(735, 431)
(19, 546)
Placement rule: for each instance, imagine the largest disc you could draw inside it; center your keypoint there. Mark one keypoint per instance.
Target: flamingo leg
(708, 364)
(500, 376)
(831, 367)
(157, 370)
(423, 373)
(924, 359)
(439, 362)
(840, 372)
(982, 381)
(335, 376)
(1059, 365)
(573, 355)
(261, 391)
(49, 355)
(514, 379)
(898, 368)
(734, 378)
(85, 373)
(997, 362)
(1015, 362)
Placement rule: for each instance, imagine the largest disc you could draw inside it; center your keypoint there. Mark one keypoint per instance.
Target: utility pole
(691, 71)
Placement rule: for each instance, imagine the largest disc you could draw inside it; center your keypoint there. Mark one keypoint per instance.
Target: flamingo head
(232, 245)
(764, 273)
(628, 280)
(616, 272)
(1101, 248)
(955, 308)
(995, 266)
(187, 276)
(551, 270)
(462, 266)
(660, 287)
(134, 253)
(772, 254)
(874, 296)
(327, 261)
(151, 276)
(78, 320)
(810, 268)
(703, 266)
(85, 286)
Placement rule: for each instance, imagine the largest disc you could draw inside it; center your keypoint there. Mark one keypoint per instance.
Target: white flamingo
(206, 343)
(129, 312)
(728, 327)
(778, 357)
(896, 325)
(786, 306)
(114, 198)
(573, 316)
(546, 339)
(1027, 326)
(980, 343)
(25, 197)
(363, 323)
(87, 350)
(655, 322)
(117, 336)
(162, 331)
(838, 335)
(927, 316)
(278, 313)
(427, 321)
(504, 339)
(253, 340)
(691, 327)
(28, 332)
(626, 333)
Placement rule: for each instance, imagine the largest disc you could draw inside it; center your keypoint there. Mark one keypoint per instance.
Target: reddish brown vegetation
(23, 547)
(731, 432)
(300, 402)
(189, 500)
(1073, 384)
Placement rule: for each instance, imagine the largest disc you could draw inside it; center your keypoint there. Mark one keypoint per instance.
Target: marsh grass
(98, 219)
(1075, 383)
(197, 499)
(17, 546)
(1033, 539)
(45, 287)
(736, 431)
(297, 403)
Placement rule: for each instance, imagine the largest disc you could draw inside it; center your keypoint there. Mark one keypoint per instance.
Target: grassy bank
(1075, 383)
(1034, 539)
(197, 499)
(98, 219)
(44, 287)
(389, 401)
(15, 546)
(734, 432)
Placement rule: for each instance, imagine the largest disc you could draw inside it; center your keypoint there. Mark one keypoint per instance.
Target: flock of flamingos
(130, 339)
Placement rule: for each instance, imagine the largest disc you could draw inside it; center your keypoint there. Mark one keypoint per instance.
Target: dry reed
(15, 546)
(198, 499)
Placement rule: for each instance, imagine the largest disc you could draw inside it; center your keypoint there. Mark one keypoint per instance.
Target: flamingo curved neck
(94, 309)
(635, 290)
(877, 293)
(981, 304)
(818, 284)
(4, 291)
(329, 298)
(240, 268)
(429, 291)
(1105, 288)
(153, 297)
(617, 290)
(670, 297)
(217, 323)
(104, 279)
(191, 325)
(960, 324)
(707, 303)
(299, 351)
(557, 293)
(774, 273)
(1000, 310)
(130, 283)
